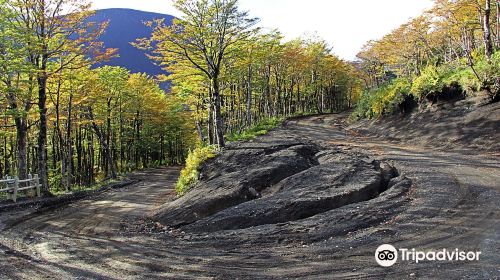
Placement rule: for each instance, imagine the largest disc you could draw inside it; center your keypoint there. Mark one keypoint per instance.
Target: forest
(235, 75)
(75, 122)
(451, 48)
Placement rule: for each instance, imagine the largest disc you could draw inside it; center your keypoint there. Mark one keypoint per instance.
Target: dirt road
(453, 203)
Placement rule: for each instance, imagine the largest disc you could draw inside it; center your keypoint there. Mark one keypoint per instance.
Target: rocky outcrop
(274, 180)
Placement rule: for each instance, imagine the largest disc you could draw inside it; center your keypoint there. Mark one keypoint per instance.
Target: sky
(345, 24)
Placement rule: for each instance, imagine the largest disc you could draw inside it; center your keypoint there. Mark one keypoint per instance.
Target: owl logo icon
(386, 255)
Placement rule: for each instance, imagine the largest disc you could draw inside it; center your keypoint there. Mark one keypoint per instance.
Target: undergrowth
(433, 80)
(189, 174)
(383, 100)
(259, 129)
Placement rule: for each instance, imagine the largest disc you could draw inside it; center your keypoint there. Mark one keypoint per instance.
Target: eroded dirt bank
(473, 123)
(310, 200)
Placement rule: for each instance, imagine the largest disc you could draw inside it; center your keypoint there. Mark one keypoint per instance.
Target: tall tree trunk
(299, 99)
(22, 151)
(42, 134)
(137, 138)
(488, 46)
(68, 147)
(108, 154)
(120, 135)
(60, 139)
(498, 25)
(267, 92)
(218, 121)
(21, 133)
(104, 144)
(79, 154)
(249, 96)
(40, 60)
(210, 123)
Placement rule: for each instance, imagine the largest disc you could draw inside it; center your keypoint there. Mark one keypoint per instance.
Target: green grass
(259, 129)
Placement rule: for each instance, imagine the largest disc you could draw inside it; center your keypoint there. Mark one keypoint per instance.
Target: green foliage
(189, 175)
(488, 72)
(259, 129)
(382, 100)
(55, 181)
(432, 80)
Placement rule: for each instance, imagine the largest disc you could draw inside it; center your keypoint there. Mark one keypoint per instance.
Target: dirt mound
(449, 123)
(274, 180)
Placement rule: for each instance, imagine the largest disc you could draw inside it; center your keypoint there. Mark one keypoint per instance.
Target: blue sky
(345, 24)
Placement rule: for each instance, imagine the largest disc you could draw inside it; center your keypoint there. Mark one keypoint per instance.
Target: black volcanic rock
(273, 180)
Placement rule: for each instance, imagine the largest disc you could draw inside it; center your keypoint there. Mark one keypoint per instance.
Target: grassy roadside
(60, 199)
(432, 82)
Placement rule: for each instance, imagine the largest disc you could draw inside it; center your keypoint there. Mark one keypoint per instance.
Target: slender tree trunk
(79, 155)
(104, 144)
(277, 100)
(120, 135)
(267, 95)
(21, 131)
(42, 133)
(210, 123)
(249, 96)
(161, 149)
(488, 46)
(7, 157)
(498, 25)
(137, 139)
(68, 146)
(108, 157)
(60, 140)
(218, 122)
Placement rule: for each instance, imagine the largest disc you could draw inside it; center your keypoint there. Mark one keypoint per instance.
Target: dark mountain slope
(126, 26)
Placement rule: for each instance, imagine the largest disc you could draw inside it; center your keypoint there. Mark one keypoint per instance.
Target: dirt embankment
(455, 123)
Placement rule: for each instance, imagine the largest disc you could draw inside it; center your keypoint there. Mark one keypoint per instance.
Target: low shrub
(488, 72)
(189, 175)
(433, 81)
(383, 100)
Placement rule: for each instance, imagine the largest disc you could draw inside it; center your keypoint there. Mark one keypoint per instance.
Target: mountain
(125, 26)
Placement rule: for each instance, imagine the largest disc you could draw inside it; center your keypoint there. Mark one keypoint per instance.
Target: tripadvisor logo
(387, 255)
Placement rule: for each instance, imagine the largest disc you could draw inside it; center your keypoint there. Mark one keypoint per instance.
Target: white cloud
(346, 25)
